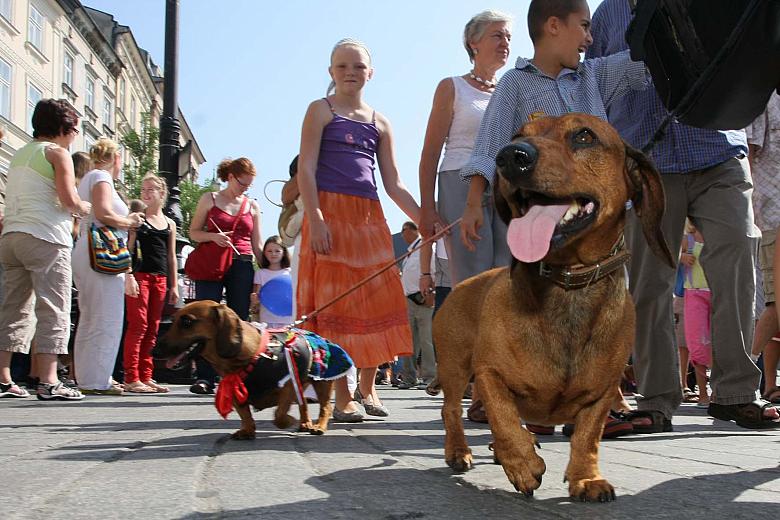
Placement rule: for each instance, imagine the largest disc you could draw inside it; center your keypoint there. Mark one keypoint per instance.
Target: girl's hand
(320, 237)
(131, 286)
(136, 219)
(173, 295)
(472, 221)
(687, 259)
(221, 239)
(429, 220)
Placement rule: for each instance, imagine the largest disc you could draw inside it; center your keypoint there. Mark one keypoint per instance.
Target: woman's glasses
(245, 185)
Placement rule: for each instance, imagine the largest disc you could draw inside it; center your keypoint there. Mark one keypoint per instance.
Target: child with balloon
(272, 291)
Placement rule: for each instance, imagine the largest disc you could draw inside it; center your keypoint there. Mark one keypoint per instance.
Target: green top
(33, 154)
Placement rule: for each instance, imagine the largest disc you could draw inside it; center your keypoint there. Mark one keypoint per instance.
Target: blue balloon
(276, 296)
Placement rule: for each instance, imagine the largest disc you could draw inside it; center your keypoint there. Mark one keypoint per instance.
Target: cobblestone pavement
(170, 456)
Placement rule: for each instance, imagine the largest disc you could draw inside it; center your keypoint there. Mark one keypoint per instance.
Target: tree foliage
(191, 193)
(143, 149)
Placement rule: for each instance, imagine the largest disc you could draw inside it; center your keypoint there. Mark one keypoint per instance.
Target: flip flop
(157, 387)
(137, 387)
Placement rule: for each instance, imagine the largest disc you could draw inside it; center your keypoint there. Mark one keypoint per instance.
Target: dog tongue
(529, 236)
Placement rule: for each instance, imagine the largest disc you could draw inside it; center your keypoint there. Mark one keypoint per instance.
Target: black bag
(714, 63)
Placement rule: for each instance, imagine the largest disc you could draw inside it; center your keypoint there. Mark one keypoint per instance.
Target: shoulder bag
(209, 262)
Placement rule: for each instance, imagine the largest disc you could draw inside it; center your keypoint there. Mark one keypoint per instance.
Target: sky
(248, 69)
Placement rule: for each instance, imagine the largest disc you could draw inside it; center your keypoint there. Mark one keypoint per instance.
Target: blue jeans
(237, 285)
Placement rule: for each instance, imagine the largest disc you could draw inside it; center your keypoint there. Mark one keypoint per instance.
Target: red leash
(364, 281)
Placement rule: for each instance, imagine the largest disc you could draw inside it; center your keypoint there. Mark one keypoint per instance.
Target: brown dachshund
(216, 333)
(547, 338)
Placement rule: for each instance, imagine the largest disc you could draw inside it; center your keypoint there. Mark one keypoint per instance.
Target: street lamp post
(169, 122)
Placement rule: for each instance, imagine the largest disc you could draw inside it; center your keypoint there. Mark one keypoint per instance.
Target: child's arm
(617, 74)
(317, 116)
(394, 186)
(498, 126)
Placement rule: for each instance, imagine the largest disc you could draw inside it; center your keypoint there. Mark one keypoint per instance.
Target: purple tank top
(346, 160)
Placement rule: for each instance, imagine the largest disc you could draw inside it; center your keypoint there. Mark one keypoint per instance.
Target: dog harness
(580, 276)
(294, 355)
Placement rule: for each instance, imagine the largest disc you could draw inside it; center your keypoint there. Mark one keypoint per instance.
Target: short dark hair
(541, 10)
(53, 118)
(409, 225)
(294, 167)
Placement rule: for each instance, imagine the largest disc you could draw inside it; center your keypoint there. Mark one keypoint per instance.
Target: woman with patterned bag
(100, 294)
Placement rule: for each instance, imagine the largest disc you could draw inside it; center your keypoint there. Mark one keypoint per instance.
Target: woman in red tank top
(219, 211)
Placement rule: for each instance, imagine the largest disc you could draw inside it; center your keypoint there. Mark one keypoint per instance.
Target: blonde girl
(345, 237)
(154, 275)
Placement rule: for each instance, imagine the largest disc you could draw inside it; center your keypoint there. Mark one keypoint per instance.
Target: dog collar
(580, 276)
(232, 385)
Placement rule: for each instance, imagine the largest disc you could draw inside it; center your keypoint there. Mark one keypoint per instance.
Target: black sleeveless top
(151, 250)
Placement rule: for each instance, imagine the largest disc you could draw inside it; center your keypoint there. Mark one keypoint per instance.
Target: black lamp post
(169, 122)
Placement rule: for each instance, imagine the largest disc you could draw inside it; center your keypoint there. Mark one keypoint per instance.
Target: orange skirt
(371, 324)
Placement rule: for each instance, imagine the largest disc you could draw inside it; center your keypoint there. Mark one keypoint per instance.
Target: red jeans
(143, 320)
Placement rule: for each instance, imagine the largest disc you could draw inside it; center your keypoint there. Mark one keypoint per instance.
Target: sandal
(157, 387)
(538, 429)
(748, 415)
(616, 425)
(137, 387)
(772, 395)
(689, 396)
(477, 413)
(658, 421)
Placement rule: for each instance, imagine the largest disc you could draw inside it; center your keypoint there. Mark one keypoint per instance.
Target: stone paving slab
(170, 456)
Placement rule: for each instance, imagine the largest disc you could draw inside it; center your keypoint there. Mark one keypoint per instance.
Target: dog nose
(520, 156)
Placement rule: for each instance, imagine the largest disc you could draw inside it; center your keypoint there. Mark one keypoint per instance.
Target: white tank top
(468, 108)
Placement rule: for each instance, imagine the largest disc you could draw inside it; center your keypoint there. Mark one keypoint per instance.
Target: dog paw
(461, 460)
(525, 474)
(305, 427)
(591, 490)
(315, 430)
(284, 421)
(243, 435)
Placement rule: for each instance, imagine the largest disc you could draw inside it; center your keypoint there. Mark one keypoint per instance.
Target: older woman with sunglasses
(214, 218)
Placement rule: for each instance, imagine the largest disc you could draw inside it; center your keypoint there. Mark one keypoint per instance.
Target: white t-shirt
(91, 178)
(262, 277)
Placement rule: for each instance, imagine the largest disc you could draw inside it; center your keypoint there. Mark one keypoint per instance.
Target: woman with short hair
(35, 250)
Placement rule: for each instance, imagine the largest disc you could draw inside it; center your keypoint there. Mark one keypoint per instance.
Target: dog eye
(186, 321)
(583, 137)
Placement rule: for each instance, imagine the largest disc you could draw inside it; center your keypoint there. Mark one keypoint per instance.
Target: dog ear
(647, 195)
(229, 334)
(502, 206)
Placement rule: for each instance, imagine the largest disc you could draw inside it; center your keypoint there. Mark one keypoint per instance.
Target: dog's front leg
(514, 445)
(247, 430)
(582, 473)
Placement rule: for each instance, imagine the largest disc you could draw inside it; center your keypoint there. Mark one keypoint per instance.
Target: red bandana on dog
(232, 387)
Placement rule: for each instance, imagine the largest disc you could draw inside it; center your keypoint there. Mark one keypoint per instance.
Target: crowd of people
(343, 237)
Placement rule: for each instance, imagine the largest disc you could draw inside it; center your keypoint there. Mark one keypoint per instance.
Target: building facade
(63, 49)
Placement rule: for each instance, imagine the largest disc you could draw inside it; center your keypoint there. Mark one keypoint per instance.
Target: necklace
(486, 83)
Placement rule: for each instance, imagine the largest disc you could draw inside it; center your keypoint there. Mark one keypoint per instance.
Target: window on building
(122, 95)
(5, 89)
(133, 109)
(5, 9)
(108, 111)
(89, 97)
(67, 69)
(89, 141)
(34, 94)
(35, 28)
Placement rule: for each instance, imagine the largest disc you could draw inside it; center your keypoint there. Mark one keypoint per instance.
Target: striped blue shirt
(639, 114)
(525, 93)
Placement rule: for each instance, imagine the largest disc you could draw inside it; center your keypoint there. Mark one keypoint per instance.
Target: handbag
(290, 222)
(209, 262)
(108, 253)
